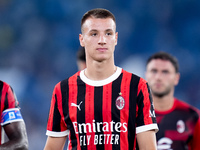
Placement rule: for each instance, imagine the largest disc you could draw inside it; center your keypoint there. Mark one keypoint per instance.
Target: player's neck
(100, 70)
(163, 103)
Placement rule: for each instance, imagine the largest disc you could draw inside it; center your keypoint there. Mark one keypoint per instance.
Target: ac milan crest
(180, 126)
(120, 102)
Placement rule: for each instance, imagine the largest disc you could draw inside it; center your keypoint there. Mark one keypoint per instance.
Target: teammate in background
(103, 106)
(178, 122)
(11, 120)
(81, 62)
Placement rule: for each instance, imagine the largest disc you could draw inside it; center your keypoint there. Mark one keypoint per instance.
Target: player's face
(99, 38)
(161, 77)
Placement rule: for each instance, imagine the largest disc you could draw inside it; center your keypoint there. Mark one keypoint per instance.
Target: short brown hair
(165, 56)
(97, 13)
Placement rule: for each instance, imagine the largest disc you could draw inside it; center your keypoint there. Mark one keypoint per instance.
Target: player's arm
(55, 143)
(16, 133)
(194, 143)
(56, 136)
(147, 140)
(146, 119)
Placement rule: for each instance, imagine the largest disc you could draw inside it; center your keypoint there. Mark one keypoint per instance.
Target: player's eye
(153, 71)
(165, 72)
(93, 34)
(108, 33)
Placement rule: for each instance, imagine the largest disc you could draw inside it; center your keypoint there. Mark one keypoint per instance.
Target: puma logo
(78, 106)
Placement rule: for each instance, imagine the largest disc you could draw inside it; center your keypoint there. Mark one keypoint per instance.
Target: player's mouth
(101, 49)
(158, 85)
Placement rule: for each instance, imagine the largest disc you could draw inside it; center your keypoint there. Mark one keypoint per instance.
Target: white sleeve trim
(57, 134)
(147, 127)
(16, 120)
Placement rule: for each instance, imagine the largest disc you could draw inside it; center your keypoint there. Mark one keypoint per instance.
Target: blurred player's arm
(16, 133)
(55, 143)
(194, 143)
(147, 140)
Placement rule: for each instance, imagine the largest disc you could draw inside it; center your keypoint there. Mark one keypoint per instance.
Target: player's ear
(81, 40)
(177, 78)
(116, 37)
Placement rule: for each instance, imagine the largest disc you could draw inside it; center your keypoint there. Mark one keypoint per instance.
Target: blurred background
(39, 41)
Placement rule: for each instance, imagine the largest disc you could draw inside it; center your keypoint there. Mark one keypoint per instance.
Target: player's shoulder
(186, 106)
(135, 78)
(125, 72)
(3, 83)
(65, 81)
(183, 104)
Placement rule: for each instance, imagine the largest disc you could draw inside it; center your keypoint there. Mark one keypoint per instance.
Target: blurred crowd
(39, 41)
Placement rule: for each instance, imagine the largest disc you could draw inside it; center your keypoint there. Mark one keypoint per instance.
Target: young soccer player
(103, 106)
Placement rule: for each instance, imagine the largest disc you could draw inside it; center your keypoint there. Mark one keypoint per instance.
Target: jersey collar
(100, 82)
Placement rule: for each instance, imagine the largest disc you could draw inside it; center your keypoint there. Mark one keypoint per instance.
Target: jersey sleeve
(56, 126)
(10, 111)
(146, 119)
(10, 99)
(195, 144)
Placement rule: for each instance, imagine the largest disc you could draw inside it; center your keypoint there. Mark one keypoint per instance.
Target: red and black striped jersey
(7, 99)
(104, 114)
(179, 127)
